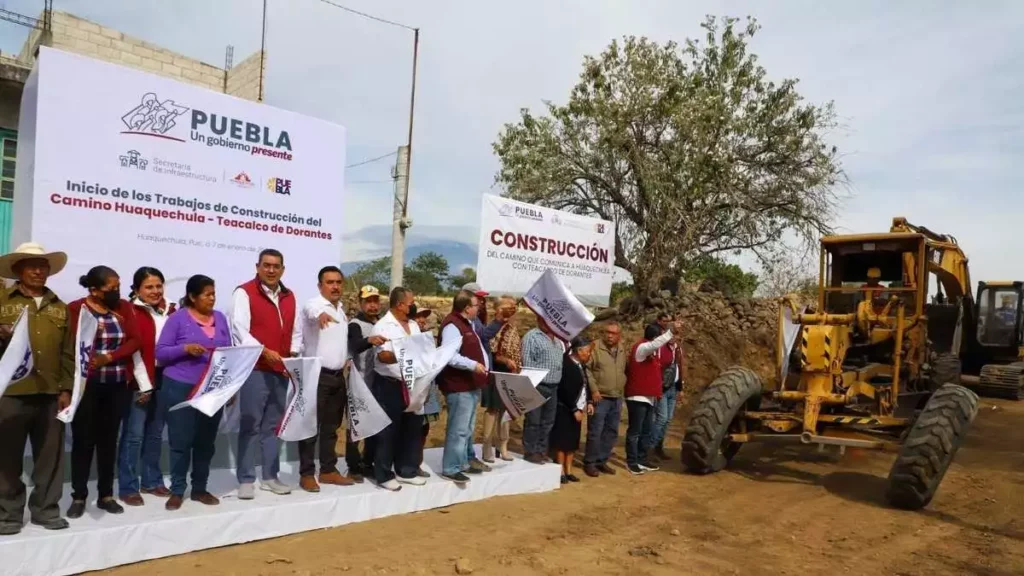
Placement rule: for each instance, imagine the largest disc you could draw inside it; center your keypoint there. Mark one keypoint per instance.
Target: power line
(365, 15)
(371, 160)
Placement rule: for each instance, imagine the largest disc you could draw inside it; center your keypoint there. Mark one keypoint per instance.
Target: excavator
(993, 357)
(874, 364)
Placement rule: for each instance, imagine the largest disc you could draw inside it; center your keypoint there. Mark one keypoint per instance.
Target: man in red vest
(461, 382)
(263, 314)
(643, 389)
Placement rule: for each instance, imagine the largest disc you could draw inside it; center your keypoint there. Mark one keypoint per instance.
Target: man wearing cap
(360, 349)
(28, 409)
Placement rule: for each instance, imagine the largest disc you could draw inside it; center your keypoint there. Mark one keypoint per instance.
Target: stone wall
(74, 34)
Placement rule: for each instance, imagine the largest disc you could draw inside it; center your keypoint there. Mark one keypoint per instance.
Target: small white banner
(17, 360)
(365, 416)
(518, 392)
(564, 314)
(87, 326)
(299, 421)
(228, 370)
(420, 361)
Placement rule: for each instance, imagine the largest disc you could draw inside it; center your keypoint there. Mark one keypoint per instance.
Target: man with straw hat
(29, 407)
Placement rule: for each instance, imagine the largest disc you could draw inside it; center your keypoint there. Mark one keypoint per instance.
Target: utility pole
(401, 221)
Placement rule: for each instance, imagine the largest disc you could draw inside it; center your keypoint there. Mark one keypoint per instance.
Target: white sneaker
(391, 485)
(246, 491)
(414, 481)
(275, 486)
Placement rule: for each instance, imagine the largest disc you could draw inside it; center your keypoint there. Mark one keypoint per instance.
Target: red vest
(643, 378)
(147, 334)
(269, 329)
(456, 380)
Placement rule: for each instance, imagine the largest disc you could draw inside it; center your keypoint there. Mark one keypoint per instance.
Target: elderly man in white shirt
(396, 450)
(325, 335)
(263, 313)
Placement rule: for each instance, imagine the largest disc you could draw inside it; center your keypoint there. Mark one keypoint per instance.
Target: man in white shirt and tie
(325, 334)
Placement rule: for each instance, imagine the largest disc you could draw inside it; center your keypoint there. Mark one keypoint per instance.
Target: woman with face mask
(108, 386)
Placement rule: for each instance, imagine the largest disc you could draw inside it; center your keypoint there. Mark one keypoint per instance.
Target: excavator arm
(945, 259)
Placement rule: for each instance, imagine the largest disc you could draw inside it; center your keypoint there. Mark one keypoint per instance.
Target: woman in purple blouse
(184, 349)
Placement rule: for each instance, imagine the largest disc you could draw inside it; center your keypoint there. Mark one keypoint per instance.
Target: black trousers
(32, 418)
(94, 430)
(330, 410)
(397, 447)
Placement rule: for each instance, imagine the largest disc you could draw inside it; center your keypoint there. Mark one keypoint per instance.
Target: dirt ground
(772, 512)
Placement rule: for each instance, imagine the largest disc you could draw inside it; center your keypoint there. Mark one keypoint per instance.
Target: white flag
(17, 360)
(420, 362)
(365, 416)
(87, 326)
(790, 330)
(564, 314)
(518, 392)
(228, 369)
(299, 421)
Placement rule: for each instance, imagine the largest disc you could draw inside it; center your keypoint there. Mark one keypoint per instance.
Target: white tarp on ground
(518, 241)
(149, 531)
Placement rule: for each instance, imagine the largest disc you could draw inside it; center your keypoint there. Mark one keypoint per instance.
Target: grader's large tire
(705, 449)
(930, 446)
(945, 370)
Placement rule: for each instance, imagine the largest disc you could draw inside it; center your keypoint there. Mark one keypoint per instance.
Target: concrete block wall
(244, 78)
(81, 36)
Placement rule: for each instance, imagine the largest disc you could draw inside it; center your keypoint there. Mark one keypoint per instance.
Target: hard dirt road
(790, 512)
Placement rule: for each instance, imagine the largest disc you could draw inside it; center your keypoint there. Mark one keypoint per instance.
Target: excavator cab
(992, 359)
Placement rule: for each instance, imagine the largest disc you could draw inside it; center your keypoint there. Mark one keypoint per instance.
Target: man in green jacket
(28, 409)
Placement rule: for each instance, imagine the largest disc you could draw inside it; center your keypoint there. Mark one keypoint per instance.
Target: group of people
(149, 354)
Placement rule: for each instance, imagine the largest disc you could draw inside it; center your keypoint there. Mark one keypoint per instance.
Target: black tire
(945, 370)
(930, 447)
(705, 449)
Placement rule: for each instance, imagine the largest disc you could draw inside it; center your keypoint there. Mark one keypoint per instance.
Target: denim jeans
(663, 413)
(638, 434)
(537, 423)
(141, 427)
(191, 435)
(262, 402)
(459, 433)
(603, 431)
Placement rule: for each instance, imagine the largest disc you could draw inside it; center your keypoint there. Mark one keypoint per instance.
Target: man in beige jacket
(606, 373)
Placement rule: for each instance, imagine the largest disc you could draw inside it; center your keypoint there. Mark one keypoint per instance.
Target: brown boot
(132, 500)
(336, 479)
(487, 451)
(205, 498)
(308, 483)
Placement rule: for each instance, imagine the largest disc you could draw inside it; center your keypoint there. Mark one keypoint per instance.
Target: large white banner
(518, 241)
(550, 299)
(128, 169)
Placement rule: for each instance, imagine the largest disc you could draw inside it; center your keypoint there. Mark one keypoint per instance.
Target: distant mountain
(456, 243)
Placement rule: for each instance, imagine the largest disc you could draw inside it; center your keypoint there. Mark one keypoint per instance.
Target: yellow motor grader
(874, 365)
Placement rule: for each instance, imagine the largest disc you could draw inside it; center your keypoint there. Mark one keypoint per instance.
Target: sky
(928, 92)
